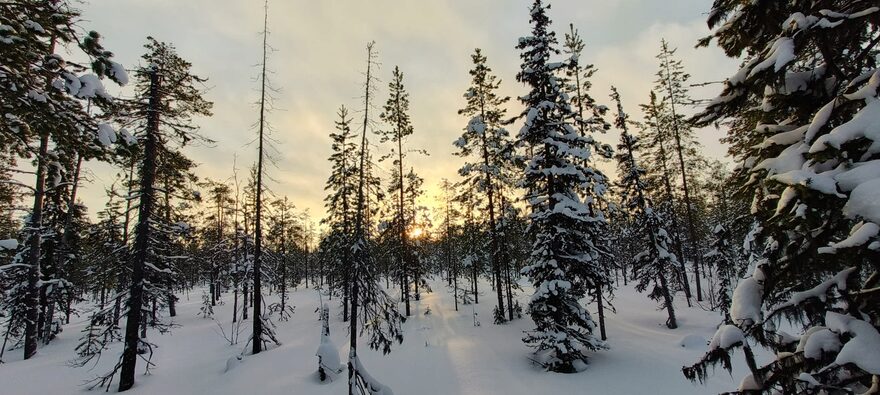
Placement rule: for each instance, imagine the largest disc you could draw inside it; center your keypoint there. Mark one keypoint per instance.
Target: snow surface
(443, 354)
(693, 341)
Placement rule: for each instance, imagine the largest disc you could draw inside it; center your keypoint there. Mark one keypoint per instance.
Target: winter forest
(278, 198)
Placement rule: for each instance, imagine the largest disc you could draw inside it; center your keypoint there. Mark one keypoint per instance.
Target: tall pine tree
(564, 262)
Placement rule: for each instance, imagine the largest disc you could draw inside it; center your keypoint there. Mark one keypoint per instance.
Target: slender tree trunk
(601, 308)
(258, 227)
(493, 231)
(35, 226)
(474, 282)
(35, 240)
(120, 276)
(667, 300)
(676, 240)
(62, 255)
(283, 288)
(359, 235)
(402, 256)
(507, 261)
(235, 278)
(687, 198)
(167, 279)
(510, 312)
(346, 231)
(455, 285)
(753, 366)
(142, 238)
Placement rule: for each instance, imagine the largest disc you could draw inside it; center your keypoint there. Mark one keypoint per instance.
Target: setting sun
(415, 233)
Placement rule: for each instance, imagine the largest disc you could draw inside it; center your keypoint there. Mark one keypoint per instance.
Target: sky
(318, 60)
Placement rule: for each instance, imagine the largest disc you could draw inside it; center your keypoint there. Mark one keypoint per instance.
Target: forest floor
(443, 353)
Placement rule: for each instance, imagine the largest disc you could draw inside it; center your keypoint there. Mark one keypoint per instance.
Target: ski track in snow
(442, 353)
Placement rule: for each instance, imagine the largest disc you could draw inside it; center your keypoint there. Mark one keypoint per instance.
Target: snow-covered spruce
(488, 149)
(564, 262)
(44, 114)
(340, 203)
(803, 117)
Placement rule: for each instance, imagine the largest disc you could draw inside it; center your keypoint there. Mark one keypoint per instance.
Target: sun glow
(415, 233)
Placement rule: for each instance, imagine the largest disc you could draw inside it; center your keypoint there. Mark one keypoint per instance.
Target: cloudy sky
(319, 59)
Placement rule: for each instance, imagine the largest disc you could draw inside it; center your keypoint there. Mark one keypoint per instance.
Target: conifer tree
(472, 244)
(488, 145)
(104, 258)
(415, 266)
(451, 264)
(282, 228)
(341, 189)
(589, 121)
(670, 84)
(657, 263)
(396, 114)
(802, 114)
(564, 262)
(378, 313)
(167, 98)
(44, 100)
(219, 246)
(590, 114)
(658, 154)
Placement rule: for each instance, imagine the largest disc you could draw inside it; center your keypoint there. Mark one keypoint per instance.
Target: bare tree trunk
(258, 227)
(359, 235)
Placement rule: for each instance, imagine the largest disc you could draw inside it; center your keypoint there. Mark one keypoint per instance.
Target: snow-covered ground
(443, 353)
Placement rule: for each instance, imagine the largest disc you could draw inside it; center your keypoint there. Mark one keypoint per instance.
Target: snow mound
(328, 357)
(233, 363)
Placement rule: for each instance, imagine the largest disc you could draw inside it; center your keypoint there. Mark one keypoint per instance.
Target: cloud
(632, 67)
(320, 54)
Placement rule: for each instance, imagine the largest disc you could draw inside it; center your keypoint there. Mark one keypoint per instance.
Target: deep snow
(443, 353)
